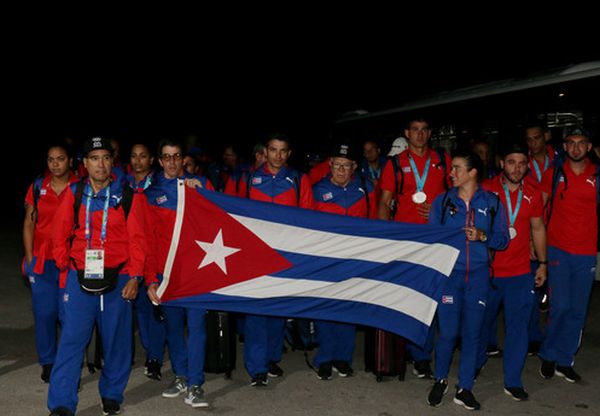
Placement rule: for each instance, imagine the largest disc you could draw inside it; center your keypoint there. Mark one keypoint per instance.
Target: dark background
(231, 87)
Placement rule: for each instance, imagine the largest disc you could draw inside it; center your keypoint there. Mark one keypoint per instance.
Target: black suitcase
(385, 354)
(220, 343)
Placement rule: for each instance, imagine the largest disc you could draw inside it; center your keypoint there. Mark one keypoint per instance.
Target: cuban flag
(235, 254)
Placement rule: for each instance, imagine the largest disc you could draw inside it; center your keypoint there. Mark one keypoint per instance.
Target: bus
(494, 111)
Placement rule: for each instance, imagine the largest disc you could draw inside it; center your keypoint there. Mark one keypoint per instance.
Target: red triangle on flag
(202, 222)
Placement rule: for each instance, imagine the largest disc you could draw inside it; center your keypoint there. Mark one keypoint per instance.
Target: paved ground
(297, 393)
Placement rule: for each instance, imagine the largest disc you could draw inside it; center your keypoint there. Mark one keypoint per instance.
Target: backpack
(37, 189)
(109, 279)
(399, 188)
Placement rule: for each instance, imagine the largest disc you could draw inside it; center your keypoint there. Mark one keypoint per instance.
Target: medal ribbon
(419, 180)
(512, 215)
(538, 173)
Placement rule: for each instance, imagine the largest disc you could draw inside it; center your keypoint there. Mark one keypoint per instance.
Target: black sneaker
(274, 370)
(547, 369)
(324, 372)
(466, 399)
(46, 370)
(533, 348)
(343, 368)
(422, 369)
(568, 374)
(91, 368)
(437, 392)
(259, 380)
(110, 407)
(153, 370)
(493, 351)
(517, 393)
(61, 411)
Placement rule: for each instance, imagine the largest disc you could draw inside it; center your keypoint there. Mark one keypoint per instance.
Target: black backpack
(109, 279)
(37, 189)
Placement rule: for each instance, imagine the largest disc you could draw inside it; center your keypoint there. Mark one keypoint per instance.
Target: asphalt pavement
(298, 392)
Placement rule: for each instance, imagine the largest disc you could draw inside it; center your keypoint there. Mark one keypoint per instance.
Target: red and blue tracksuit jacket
(357, 199)
(287, 187)
(461, 309)
(125, 244)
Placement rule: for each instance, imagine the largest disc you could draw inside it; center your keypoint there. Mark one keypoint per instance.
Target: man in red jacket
(103, 249)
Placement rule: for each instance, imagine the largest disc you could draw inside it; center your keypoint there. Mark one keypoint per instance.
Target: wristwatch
(483, 238)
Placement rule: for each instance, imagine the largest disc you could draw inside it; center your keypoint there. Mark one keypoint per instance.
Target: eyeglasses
(345, 166)
(174, 156)
(572, 143)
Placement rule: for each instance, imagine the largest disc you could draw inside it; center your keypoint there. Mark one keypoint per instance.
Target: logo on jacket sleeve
(447, 300)
(161, 199)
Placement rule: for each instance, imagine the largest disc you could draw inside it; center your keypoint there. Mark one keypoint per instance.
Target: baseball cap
(343, 150)
(96, 143)
(398, 146)
(516, 147)
(576, 131)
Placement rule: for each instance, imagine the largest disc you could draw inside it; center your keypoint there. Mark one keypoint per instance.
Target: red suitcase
(385, 354)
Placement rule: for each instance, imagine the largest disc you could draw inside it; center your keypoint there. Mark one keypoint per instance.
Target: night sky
(237, 95)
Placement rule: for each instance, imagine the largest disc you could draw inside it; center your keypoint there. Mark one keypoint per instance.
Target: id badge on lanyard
(94, 258)
(94, 264)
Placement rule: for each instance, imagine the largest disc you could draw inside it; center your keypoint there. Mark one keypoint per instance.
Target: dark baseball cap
(97, 143)
(576, 131)
(516, 147)
(343, 150)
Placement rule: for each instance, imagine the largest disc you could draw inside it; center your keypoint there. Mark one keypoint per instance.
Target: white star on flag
(216, 252)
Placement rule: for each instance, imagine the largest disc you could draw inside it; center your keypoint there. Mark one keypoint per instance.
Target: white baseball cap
(398, 146)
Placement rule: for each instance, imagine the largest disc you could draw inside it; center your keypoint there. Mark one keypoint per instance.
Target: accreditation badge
(94, 264)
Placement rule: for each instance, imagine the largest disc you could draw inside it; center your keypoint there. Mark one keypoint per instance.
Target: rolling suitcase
(220, 343)
(385, 354)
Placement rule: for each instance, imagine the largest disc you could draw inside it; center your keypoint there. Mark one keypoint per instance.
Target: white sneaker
(177, 387)
(195, 397)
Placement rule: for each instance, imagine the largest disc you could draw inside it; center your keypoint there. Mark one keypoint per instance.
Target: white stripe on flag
(440, 257)
(174, 238)
(357, 289)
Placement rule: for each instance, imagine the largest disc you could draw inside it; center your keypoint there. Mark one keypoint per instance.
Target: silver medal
(419, 197)
(513, 232)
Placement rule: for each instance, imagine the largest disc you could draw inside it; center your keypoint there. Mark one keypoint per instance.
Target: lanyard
(374, 173)
(512, 216)
(538, 173)
(88, 231)
(419, 180)
(146, 181)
